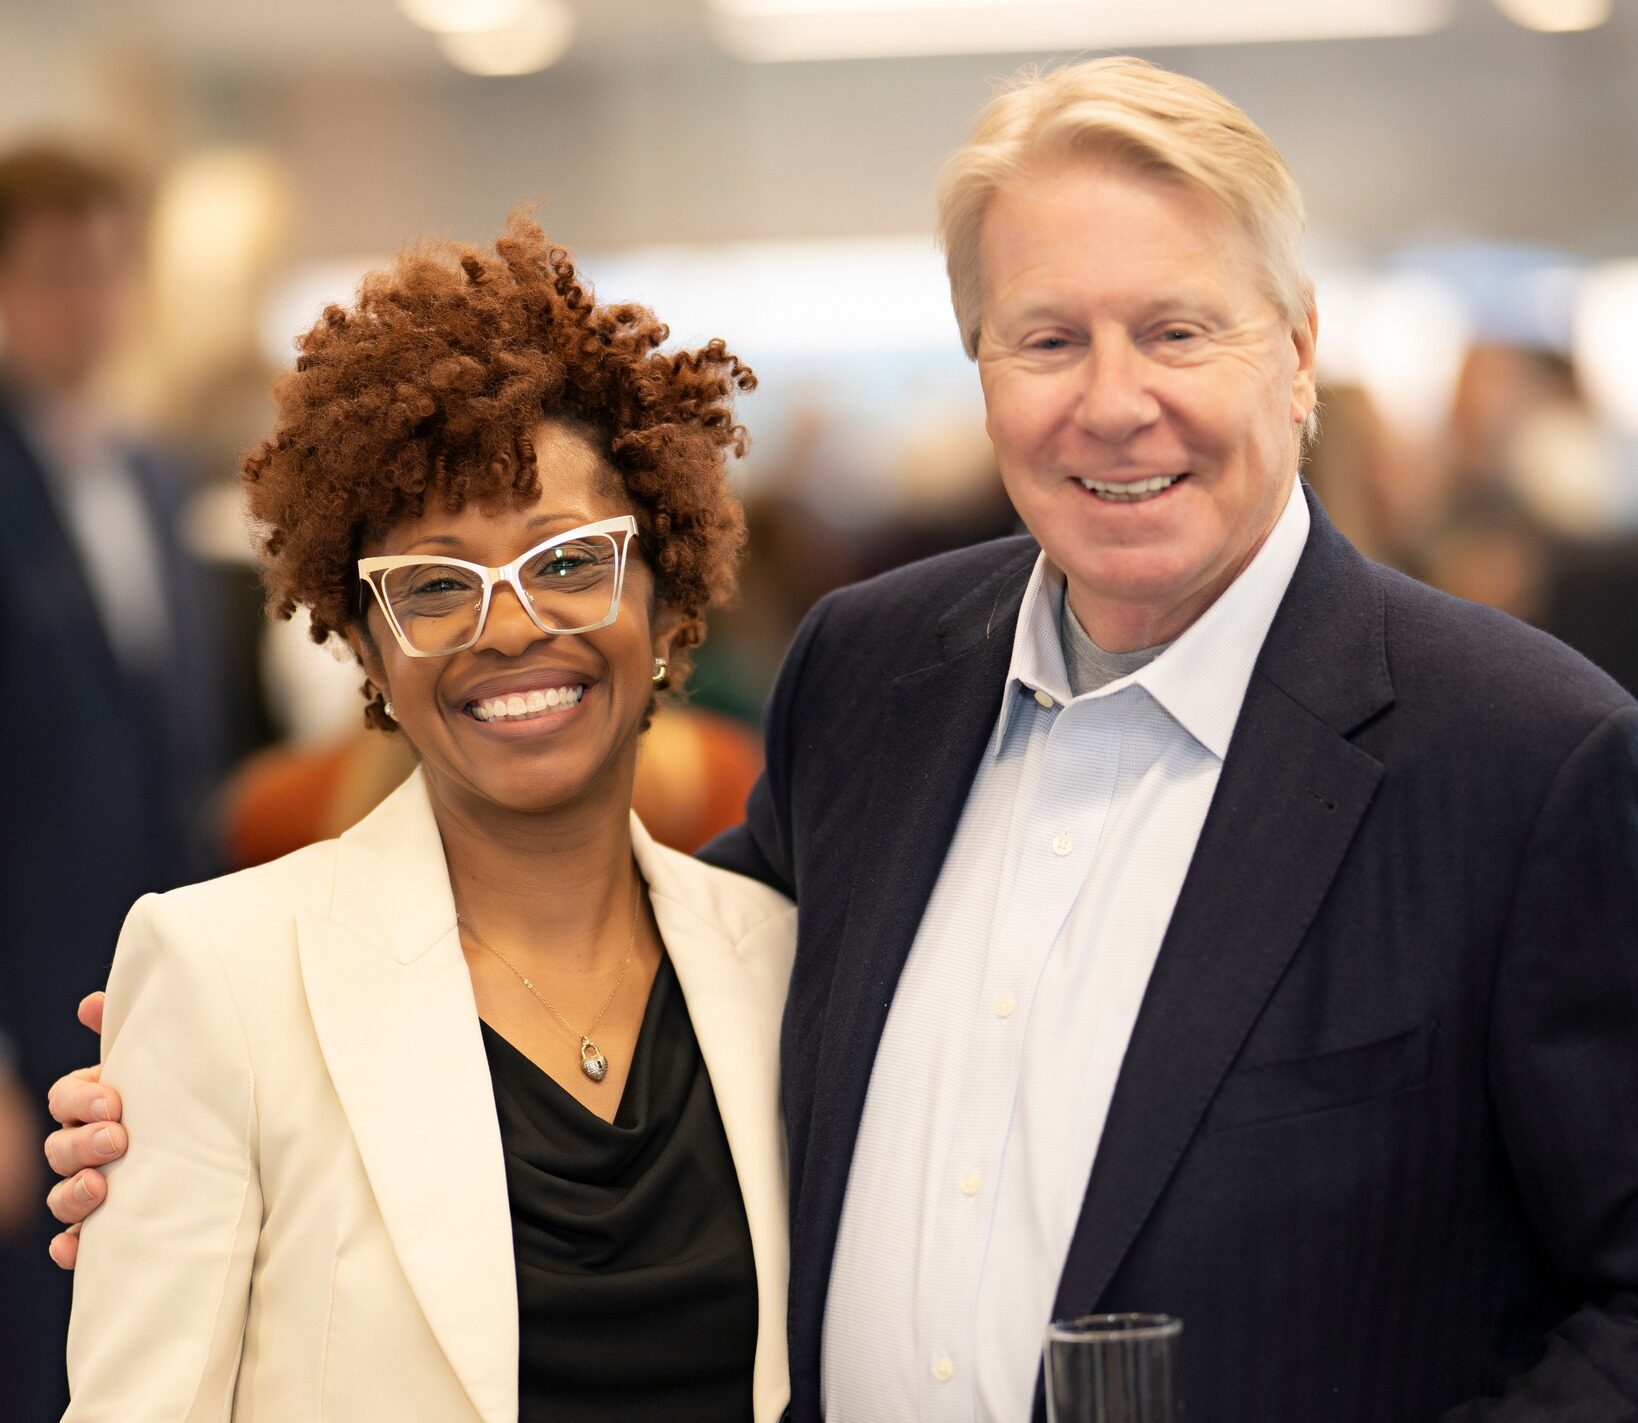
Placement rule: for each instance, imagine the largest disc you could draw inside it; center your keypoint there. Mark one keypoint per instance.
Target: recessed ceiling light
(459, 17)
(539, 36)
(858, 29)
(1556, 16)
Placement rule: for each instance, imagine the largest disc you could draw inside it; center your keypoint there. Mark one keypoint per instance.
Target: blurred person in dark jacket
(108, 706)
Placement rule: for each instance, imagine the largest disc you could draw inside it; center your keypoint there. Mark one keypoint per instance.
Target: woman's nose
(508, 628)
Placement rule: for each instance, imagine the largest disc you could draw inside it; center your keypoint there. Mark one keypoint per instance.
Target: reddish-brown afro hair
(429, 389)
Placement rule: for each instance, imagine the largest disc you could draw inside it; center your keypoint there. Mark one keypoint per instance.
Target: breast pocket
(1301, 1086)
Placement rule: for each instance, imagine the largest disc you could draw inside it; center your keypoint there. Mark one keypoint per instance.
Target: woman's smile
(526, 706)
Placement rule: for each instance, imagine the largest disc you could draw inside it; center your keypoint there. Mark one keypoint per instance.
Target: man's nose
(1116, 399)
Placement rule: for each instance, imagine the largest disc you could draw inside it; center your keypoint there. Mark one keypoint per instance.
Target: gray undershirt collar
(1087, 665)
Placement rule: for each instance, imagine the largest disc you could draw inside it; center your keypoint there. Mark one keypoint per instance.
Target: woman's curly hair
(429, 389)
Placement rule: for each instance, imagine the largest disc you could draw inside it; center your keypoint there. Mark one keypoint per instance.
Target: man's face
(1144, 395)
(66, 281)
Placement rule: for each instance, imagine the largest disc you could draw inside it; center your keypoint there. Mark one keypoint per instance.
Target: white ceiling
(647, 132)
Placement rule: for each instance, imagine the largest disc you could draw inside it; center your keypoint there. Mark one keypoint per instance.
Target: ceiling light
(1556, 16)
(857, 29)
(461, 17)
(539, 36)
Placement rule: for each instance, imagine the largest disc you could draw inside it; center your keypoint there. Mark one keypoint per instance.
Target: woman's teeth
(1132, 490)
(527, 704)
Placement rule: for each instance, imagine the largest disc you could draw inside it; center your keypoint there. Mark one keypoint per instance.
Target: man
(1193, 916)
(108, 709)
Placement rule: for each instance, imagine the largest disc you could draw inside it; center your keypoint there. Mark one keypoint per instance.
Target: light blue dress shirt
(1001, 1051)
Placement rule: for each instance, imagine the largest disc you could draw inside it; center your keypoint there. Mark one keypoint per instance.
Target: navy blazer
(1375, 1138)
(104, 776)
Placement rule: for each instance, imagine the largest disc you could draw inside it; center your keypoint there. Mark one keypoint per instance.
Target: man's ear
(1304, 387)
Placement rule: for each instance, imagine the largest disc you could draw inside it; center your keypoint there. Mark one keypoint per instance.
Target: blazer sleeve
(163, 1283)
(1564, 1074)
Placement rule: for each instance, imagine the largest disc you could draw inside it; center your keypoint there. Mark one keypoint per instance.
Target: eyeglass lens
(569, 586)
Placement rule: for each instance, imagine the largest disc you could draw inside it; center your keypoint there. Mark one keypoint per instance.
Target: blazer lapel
(393, 1008)
(734, 1003)
(1291, 796)
(52, 584)
(938, 720)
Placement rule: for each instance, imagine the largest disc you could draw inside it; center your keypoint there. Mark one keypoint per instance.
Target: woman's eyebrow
(540, 521)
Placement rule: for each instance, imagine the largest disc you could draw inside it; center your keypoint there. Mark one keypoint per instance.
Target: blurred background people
(110, 722)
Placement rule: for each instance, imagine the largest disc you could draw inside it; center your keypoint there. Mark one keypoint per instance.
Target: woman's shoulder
(737, 906)
(258, 902)
(397, 839)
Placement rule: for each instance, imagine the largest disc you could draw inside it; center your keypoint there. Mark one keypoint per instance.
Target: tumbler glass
(1113, 1368)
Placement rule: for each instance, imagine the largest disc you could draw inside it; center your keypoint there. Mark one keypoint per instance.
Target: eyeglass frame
(507, 573)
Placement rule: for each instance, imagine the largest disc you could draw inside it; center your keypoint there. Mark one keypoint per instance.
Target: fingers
(81, 1097)
(90, 1011)
(73, 1200)
(75, 1148)
(65, 1248)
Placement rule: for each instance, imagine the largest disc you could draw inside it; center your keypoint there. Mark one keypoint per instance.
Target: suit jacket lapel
(734, 1003)
(1292, 793)
(52, 582)
(939, 719)
(392, 1004)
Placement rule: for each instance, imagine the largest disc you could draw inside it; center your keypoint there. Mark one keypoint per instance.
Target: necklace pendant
(592, 1062)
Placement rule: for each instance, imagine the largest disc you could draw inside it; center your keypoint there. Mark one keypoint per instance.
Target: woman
(471, 1113)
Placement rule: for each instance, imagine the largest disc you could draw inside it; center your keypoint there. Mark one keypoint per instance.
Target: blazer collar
(392, 1003)
(53, 586)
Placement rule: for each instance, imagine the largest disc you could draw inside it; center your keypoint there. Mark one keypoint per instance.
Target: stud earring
(390, 712)
(658, 675)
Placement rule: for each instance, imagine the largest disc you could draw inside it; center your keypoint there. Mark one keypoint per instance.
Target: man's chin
(1136, 588)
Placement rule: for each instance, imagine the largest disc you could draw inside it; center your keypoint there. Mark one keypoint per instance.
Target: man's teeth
(527, 704)
(1132, 490)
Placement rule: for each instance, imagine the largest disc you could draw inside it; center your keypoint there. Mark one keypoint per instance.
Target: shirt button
(1062, 843)
(971, 1183)
(1044, 700)
(943, 1369)
(1004, 1005)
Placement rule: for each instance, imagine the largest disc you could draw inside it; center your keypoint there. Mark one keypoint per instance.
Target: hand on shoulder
(89, 1136)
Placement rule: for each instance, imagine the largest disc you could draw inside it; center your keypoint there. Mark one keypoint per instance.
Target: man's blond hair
(1144, 120)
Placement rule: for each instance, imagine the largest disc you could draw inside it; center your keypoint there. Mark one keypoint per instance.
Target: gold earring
(658, 675)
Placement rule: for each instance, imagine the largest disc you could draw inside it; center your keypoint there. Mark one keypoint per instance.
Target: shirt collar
(1201, 678)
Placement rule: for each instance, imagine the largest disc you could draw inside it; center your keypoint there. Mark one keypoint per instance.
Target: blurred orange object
(694, 770)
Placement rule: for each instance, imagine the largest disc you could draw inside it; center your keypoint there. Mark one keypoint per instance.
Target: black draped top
(637, 1295)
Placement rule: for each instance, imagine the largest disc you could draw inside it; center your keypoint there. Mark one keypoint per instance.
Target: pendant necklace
(592, 1061)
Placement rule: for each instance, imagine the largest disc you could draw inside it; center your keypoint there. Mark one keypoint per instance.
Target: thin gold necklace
(592, 1061)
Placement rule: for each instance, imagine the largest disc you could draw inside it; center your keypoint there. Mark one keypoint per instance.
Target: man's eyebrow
(1147, 307)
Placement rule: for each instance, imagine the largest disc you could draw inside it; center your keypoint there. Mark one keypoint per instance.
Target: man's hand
(90, 1137)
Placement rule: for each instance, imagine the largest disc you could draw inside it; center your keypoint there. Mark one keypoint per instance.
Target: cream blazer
(313, 1221)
